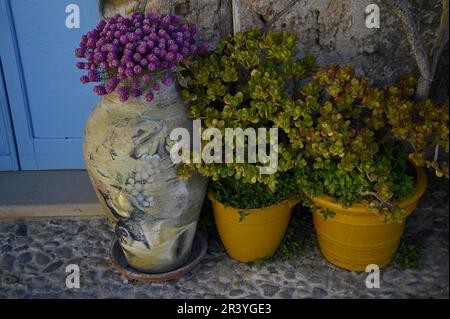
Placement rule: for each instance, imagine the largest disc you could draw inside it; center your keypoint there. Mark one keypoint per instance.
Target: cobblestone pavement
(35, 253)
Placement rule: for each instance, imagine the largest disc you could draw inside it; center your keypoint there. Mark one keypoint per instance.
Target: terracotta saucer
(117, 259)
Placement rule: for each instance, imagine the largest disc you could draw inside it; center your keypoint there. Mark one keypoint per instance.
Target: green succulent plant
(360, 142)
(338, 134)
(246, 82)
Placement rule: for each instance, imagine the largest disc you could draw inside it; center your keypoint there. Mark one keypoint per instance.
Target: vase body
(126, 150)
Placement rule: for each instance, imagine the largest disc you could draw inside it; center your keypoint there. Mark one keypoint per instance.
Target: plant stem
(279, 15)
(401, 11)
(441, 38)
(436, 153)
(377, 197)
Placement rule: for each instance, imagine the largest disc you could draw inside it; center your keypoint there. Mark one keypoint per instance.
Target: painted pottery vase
(126, 148)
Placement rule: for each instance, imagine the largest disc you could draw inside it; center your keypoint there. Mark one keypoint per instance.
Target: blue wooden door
(8, 157)
(48, 104)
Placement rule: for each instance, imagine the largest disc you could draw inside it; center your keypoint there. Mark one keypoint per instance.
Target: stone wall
(333, 30)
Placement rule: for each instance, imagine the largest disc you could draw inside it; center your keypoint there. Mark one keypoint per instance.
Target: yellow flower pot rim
(421, 185)
(291, 202)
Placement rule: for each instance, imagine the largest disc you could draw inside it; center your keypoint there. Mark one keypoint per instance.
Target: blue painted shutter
(49, 105)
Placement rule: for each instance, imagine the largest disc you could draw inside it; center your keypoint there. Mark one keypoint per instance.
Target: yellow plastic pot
(356, 237)
(258, 234)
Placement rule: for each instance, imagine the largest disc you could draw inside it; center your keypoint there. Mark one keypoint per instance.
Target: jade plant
(246, 83)
(360, 143)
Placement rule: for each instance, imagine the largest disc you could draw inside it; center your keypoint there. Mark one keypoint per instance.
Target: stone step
(35, 194)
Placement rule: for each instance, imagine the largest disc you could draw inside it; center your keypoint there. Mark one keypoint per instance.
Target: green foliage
(206, 219)
(408, 253)
(299, 239)
(238, 194)
(353, 139)
(245, 83)
(339, 135)
(243, 216)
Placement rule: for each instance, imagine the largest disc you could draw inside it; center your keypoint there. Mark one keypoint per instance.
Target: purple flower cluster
(134, 54)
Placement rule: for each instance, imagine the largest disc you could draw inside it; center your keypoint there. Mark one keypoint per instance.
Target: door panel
(48, 103)
(8, 158)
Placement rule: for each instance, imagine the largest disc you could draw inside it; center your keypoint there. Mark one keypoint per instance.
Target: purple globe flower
(149, 96)
(80, 52)
(129, 46)
(84, 79)
(84, 40)
(146, 28)
(91, 43)
(152, 16)
(152, 58)
(129, 73)
(99, 57)
(204, 47)
(184, 50)
(137, 69)
(134, 84)
(142, 48)
(93, 76)
(162, 32)
(178, 57)
(124, 94)
(81, 65)
(100, 90)
(123, 39)
(110, 56)
(111, 84)
(147, 78)
(173, 48)
(170, 57)
(179, 40)
(164, 64)
(114, 64)
(89, 56)
(162, 54)
(136, 92)
(156, 87)
(137, 57)
(173, 68)
(167, 81)
(131, 37)
(156, 51)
